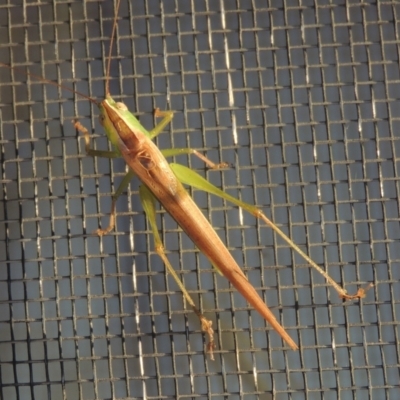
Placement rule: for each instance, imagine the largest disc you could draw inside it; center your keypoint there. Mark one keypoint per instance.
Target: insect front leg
(89, 150)
(167, 117)
(122, 186)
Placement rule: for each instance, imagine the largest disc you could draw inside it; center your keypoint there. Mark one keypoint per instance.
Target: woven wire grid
(302, 98)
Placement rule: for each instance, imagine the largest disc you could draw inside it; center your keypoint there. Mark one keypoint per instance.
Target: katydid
(163, 182)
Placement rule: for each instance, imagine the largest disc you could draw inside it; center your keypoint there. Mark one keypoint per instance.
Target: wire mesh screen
(302, 99)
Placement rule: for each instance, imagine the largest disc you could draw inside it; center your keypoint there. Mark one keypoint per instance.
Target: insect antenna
(107, 88)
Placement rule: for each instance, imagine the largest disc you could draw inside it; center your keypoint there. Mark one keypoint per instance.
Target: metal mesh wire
(302, 98)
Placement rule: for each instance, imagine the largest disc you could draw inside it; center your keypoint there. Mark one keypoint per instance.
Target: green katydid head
(108, 109)
(120, 124)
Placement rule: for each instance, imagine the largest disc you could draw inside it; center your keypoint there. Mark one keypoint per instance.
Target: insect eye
(102, 118)
(121, 106)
